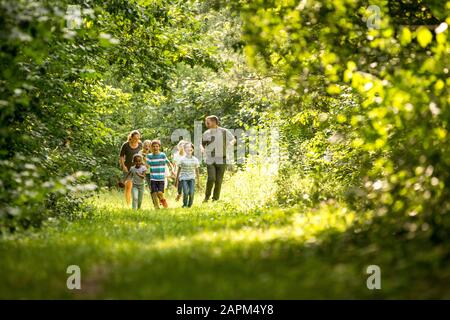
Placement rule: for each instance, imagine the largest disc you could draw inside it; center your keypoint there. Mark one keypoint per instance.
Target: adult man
(217, 144)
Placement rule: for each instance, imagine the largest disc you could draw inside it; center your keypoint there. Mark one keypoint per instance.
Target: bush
(29, 195)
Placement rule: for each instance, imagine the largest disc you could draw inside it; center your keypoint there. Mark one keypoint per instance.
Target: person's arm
(203, 143)
(146, 164)
(177, 180)
(144, 158)
(122, 164)
(172, 169)
(122, 159)
(231, 137)
(141, 175)
(128, 174)
(197, 174)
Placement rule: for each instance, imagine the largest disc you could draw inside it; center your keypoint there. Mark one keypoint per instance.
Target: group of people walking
(144, 163)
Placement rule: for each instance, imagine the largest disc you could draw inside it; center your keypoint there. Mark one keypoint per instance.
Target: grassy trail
(203, 252)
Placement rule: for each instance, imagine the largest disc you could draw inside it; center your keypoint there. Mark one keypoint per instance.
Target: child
(137, 173)
(176, 160)
(188, 171)
(147, 149)
(157, 161)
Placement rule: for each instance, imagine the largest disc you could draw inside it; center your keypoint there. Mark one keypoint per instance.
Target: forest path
(208, 251)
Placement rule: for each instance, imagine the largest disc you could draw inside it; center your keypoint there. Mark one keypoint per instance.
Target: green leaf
(424, 36)
(405, 36)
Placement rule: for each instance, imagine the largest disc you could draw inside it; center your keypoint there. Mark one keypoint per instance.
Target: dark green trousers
(215, 179)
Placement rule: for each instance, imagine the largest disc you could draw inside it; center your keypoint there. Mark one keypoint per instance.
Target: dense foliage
(364, 117)
(70, 93)
(385, 73)
(357, 90)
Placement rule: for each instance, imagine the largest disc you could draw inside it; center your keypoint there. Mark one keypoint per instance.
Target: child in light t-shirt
(188, 174)
(137, 173)
(178, 154)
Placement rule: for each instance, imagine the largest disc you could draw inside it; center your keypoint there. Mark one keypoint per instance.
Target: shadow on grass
(187, 255)
(221, 259)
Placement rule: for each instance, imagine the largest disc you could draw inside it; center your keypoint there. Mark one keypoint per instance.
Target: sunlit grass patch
(147, 251)
(222, 250)
(252, 187)
(247, 189)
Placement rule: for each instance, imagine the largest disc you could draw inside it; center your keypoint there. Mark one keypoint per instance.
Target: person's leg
(179, 190)
(191, 192)
(140, 195)
(128, 186)
(154, 193)
(185, 187)
(220, 171)
(149, 182)
(211, 170)
(160, 187)
(155, 200)
(162, 199)
(135, 194)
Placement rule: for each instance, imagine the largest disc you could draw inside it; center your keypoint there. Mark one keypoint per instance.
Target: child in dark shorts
(157, 162)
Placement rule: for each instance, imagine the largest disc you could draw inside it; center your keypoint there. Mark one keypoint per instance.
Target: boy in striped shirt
(157, 161)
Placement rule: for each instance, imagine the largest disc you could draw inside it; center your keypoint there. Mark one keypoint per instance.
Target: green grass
(213, 252)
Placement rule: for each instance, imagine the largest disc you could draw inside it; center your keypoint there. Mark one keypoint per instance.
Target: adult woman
(132, 146)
